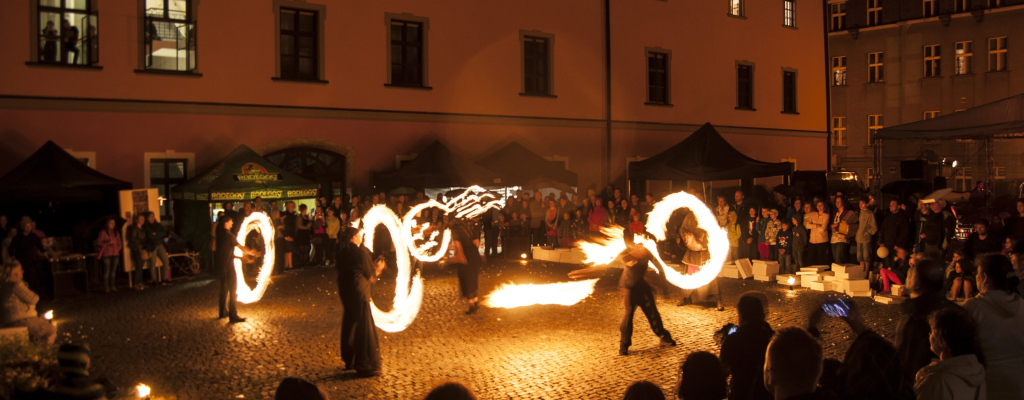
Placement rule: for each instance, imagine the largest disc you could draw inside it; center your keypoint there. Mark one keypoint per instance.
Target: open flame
(718, 241)
(48, 315)
(563, 293)
(791, 281)
(260, 222)
(408, 297)
(604, 249)
(142, 390)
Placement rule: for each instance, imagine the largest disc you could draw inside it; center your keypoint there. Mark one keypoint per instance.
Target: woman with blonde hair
(18, 304)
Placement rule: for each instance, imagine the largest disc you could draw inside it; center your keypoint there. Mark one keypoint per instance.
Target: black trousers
(491, 242)
(640, 295)
(817, 253)
(360, 349)
(228, 294)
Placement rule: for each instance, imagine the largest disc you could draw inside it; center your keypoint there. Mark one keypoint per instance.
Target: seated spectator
(702, 377)
(450, 391)
(961, 275)
(999, 312)
(743, 351)
(298, 389)
(957, 374)
(793, 365)
(897, 273)
(19, 305)
(924, 282)
(981, 241)
(643, 390)
(75, 382)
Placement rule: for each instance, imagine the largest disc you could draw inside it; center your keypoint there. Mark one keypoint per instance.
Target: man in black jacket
(937, 231)
(895, 231)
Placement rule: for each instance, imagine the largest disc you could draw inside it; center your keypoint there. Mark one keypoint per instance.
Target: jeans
(798, 259)
(228, 294)
(864, 252)
(138, 265)
(154, 273)
(840, 252)
(785, 263)
(110, 271)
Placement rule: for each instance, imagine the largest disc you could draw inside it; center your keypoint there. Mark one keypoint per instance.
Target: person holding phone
(743, 349)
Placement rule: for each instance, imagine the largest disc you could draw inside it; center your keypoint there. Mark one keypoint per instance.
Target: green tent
(241, 176)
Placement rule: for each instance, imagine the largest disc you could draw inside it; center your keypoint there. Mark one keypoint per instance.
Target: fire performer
(225, 258)
(467, 261)
(636, 292)
(356, 272)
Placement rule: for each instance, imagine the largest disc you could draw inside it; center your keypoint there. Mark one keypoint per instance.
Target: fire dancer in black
(360, 349)
(636, 292)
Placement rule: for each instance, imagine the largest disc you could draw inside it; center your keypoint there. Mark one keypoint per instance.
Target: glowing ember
(718, 241)
(791, 281)
(408, 298)
(142, 390)
(48, 315)
(523, 256)
(261, 223)
(564, 294)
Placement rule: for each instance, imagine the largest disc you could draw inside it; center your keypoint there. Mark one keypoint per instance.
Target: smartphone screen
(836, 308)
(733, 330)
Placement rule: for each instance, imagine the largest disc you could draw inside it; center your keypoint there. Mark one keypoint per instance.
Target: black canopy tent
(1002, 119)
(62, 194)
(241, 176)
(436, 167)
(705, 156)
(518, 166)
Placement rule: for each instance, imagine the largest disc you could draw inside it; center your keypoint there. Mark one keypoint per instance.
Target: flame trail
(261, 223)
(408, 298)
(563, 293)
(718, 241)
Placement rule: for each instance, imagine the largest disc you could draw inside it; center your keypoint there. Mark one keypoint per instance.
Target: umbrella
(936, 195)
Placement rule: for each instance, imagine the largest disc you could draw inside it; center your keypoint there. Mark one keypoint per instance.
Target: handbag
(844, 228)
(144, 254)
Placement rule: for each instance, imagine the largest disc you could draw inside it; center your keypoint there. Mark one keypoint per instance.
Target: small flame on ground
(523, 256)
(512, 295)
(48, 315)
(791, 281)
(143, 390)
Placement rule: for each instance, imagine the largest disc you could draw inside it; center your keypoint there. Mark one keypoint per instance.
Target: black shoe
(720, 306)
(668, 341)
(368, 374)
(234, 320)
(623, 350)
(472, 309)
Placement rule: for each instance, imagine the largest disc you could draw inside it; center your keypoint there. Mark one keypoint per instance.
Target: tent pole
(991, 166)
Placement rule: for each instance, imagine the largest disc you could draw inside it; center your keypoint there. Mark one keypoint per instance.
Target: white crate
(729, 273)
(815, 268)
(806, 280)
(744, 268)
(866, 293)
(857, 285)
(821, 286)
(889, 299)
(764, 278)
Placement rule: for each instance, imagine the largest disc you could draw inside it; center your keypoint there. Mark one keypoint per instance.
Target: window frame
(876, 67)
(839, 71)
(191, 18)
(549, 41)
(930, 8)
(932, 61)
(166, 182)
(737, 8)
(875, 122)
(874, 13)
(91, 9)
(930, 115)
(963, 57)
(750, 85)
(321, 17)
(961, 6)
(789, 13)
(790, 95)
(998, 53)
(839, 132)
(995, 3)
(424, 46)
(667, 72)
(837, 16)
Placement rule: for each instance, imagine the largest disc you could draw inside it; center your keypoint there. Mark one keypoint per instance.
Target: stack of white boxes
(765, 271)
(851, 279)
(744, 268)
(808, 275)
(729, 270)
(824, 282)
(889, 299)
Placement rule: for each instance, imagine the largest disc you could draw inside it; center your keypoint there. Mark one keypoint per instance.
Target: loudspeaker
(912, 169)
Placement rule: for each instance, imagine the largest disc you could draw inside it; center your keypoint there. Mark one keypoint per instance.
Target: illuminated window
(876, 67)
(537, 77)
(961, 6)
(874, 124)
(789, 13)
(67, 32)
(789, 91)
(997, 54)
(165, 174)
(931, 60)
(931, 8)
(839, 131)
(839, 71)
(736, 8)
(169, 35)
(837, 14)
(964, 63)
(657, 77)
(930, 114)
(406, 53)
(874, 12)
(745, 86)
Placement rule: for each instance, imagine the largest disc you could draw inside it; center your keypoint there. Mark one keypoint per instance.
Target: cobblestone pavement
(170, 338)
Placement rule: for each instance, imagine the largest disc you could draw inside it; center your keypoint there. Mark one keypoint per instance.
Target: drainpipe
(828, 94)
(608, 93)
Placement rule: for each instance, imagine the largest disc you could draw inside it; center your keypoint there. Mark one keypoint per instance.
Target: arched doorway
(325, 167)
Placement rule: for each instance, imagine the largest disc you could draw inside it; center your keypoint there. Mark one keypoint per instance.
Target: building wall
(473, 104)
(907, 93)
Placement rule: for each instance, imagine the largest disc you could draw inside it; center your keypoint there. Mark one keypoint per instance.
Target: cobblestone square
(170, 338)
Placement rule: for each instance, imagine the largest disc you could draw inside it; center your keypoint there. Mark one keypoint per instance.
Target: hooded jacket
(1000, 318)
(960, 377)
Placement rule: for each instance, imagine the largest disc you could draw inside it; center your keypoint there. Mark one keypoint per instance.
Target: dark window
(657, 78)
(745, 86)
(789, 91)
(406, 53)
(68, 32)
(300, 52)
(536, 66)
(165, 174)
(169, 38)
